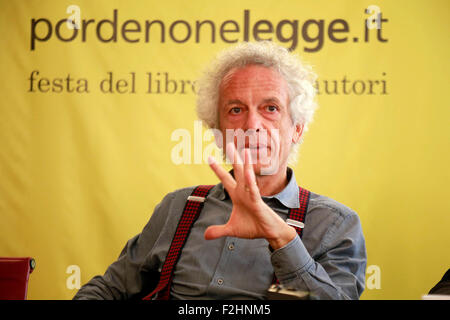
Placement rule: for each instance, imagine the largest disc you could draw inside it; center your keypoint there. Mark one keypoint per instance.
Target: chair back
(14, 275)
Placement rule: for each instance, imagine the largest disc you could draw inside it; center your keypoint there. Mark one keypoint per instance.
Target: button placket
(218, 279)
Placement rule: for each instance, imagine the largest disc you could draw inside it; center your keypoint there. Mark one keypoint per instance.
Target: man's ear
(298, 132)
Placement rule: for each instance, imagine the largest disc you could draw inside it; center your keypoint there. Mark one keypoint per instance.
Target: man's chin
(266, 168)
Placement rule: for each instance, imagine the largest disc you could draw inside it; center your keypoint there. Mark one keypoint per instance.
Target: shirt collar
(288, 196)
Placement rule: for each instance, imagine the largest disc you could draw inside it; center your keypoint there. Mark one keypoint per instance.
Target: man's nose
(254, 121)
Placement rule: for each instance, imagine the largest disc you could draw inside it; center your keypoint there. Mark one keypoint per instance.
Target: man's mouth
(257, 147)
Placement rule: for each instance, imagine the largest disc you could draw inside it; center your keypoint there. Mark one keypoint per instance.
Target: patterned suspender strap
(296, 217)
(192, 209)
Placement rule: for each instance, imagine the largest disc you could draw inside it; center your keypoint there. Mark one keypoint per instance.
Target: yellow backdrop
(86, 118)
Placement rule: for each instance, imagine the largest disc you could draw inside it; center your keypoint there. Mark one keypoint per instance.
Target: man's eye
(271, 108)
(235, 110)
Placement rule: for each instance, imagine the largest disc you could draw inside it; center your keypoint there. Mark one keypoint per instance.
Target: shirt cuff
(291, 259)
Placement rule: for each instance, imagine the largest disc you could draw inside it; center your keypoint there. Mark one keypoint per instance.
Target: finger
(214, 232)
(230, 151)
(224, 176)
(250, 179)
(237, 163)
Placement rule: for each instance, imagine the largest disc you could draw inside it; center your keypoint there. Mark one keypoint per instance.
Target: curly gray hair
(299, 77)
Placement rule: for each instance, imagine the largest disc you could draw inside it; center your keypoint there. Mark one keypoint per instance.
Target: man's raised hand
(250, 218)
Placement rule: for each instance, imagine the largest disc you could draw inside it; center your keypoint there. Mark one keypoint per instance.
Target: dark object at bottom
(279, 292)
(443, 286)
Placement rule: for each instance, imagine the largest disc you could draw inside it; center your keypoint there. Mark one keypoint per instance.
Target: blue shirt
(329, 261)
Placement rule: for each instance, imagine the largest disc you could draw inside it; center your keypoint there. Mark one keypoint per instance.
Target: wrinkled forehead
(253, 78)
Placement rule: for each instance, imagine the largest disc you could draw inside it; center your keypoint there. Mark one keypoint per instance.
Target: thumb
(214, 232)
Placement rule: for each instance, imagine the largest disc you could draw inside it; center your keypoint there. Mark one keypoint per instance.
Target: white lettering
(74, 21)
(374, 279)
(74, 280)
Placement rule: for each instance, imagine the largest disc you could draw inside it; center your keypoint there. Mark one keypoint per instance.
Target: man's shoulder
(332, 221)
(172, 204)
(330, 206)
(182, 194)
(182, 191)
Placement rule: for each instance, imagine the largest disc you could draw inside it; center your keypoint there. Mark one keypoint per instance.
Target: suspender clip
(295, 223)
(196, 199)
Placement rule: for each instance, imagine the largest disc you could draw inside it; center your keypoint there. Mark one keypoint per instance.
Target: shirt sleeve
(129, 276)
(338, 272)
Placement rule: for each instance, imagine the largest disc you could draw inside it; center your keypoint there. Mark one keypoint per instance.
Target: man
(242, 240)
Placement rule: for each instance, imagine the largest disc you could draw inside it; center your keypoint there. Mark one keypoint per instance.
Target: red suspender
(192, 209)
(296, 216)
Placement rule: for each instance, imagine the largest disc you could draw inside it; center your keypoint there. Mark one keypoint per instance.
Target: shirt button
(231, 246)
(220, 281)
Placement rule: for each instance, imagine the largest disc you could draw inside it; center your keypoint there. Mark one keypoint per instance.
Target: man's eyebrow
(266, 100)
(234, 101)
(272, 100)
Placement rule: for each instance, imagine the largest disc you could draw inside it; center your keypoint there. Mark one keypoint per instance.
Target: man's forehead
(254, 78)
(252, 72)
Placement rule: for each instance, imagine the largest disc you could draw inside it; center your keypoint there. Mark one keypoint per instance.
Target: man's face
(255, 99)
